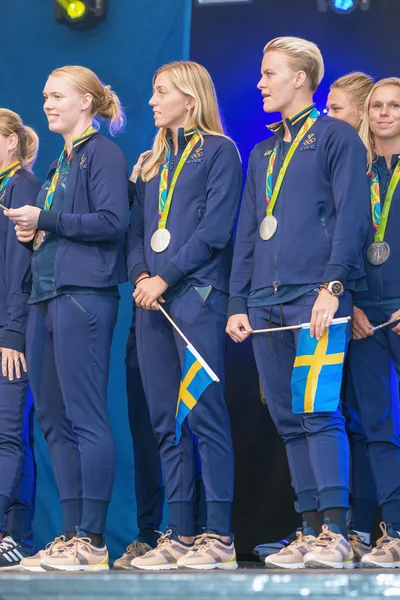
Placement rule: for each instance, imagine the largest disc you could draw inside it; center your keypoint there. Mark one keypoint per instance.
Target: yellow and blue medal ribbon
(89, 132)
(7, 173)
(165, 195)
(272, 195)
(380, 215)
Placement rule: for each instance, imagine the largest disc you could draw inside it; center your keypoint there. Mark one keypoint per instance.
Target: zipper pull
(276, 285)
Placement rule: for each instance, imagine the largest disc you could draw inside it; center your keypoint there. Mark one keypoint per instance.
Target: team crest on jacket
(196, 156)
(82, 163)
(309, 143)
(268, 152)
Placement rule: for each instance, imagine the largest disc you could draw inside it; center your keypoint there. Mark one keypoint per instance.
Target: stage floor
(249, 582)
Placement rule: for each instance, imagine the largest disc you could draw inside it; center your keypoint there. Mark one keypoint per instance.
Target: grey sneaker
(165, 556)
(133, 551)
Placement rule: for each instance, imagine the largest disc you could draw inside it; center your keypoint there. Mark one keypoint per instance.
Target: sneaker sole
(324, 564)
(76, 568)
(375, 565)
(222, 566)
(155, 567)
(33, 569)
(11, 568)
(272, 565)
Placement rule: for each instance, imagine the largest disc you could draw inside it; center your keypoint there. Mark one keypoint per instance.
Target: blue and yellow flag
(196, 377)
(318, 369)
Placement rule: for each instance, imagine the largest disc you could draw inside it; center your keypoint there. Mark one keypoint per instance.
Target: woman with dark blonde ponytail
(18, 186)
(77, 234)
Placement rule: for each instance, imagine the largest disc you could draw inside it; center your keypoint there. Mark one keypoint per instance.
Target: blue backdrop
(125, 50)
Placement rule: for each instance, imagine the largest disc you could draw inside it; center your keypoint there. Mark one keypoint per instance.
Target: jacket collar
(184, 136)
(294, 123)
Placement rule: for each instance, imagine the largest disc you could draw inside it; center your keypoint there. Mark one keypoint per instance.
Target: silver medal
(268, 227)
(378, 253)
(160, 240)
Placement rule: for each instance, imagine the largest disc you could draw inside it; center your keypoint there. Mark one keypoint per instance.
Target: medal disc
(160, 240)
(38, 239)
(268, 227)
(378, 253)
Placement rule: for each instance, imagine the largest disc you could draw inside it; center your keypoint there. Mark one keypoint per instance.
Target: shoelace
(164, 538)
(301, 539)
(354, 538)
(76, 542)
(133, 546)
(385, 539)
(59, 541)
(326, 537)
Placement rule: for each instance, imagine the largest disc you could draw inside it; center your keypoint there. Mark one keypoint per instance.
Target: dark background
(229, 41)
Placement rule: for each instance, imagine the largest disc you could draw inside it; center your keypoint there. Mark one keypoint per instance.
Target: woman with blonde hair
(374, 355)
(297, 257)
(18, 186)
(77, 235)
(347, 96)
(179, 254)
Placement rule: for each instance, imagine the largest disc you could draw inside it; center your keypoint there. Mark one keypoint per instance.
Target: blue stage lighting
(343, 6)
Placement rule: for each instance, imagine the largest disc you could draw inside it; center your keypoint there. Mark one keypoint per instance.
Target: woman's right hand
(360, 325)
(23, 235)
(238, 327)
(137, 168)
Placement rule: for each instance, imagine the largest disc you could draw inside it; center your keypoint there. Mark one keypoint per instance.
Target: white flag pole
(201, 360)
(301, 326)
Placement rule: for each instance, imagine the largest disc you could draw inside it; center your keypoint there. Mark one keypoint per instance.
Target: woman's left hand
(148, 292)
(26, 217)
(11, 361)
(395, 316)
(323, 312)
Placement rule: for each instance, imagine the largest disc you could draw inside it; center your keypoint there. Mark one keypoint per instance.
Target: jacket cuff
(171, 274)
(237, 306)
(137, 269)
(131, 191)
(48, 220)
(335, 273)
(13, 340)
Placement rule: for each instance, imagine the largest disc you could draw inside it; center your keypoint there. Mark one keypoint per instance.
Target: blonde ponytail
(105, 102)
(28, 141)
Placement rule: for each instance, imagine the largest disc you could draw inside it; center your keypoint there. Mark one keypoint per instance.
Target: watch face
(336, 288)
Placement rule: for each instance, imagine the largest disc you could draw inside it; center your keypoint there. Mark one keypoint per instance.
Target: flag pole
(385, 324)
(301, 326)
(192, 348)
(174, 325)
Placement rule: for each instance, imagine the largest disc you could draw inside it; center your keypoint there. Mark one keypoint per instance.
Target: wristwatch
(335, 288)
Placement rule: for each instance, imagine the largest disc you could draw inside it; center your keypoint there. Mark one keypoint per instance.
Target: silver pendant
(268, 227)
(160, 240)
(378, 253)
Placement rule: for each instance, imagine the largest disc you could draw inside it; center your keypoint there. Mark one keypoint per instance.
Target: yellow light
(76, 9)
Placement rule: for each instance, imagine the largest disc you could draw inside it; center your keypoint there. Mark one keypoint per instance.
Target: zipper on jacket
(276, 286)
(323, 223)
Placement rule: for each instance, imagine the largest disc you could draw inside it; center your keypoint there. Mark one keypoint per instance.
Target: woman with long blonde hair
(179, 255)
(18, 186)
(77, 236)
(374, 355)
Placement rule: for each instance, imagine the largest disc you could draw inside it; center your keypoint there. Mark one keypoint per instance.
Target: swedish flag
(196, 377)
(318, 370)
